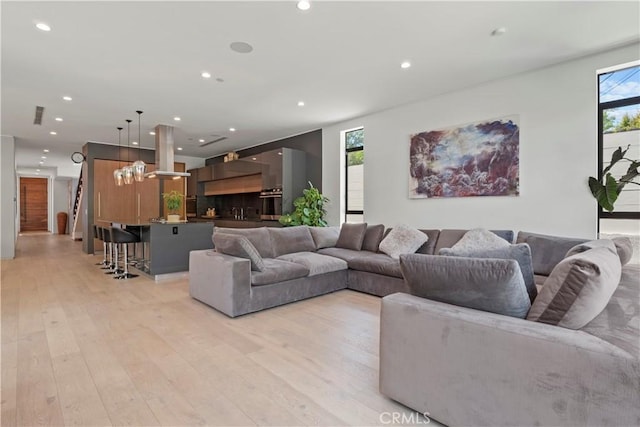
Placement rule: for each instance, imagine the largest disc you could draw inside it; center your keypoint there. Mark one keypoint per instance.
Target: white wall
(558, 151)
(61, 202)
(7, 197)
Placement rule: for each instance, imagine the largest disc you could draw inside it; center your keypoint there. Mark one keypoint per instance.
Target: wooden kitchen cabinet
(192, 183)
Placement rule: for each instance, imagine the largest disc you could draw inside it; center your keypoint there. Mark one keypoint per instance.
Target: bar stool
(97, 234)
(123, 237)
(112, 263)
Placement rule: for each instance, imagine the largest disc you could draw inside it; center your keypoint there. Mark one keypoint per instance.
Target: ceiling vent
(37, 120)
(222, 138)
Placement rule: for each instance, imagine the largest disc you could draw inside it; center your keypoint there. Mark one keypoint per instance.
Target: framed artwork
(476, 159)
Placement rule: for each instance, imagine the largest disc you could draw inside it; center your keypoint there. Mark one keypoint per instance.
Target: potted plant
(607, 190)
(174, 202)
(309, 209)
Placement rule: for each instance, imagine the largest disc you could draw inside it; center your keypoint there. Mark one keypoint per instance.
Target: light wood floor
(79, 348)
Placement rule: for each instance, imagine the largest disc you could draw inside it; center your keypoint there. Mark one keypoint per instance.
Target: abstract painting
(477, 159)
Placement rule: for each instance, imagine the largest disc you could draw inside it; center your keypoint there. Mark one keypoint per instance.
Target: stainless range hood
(164, 155)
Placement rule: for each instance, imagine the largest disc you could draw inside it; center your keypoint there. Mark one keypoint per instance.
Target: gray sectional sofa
(459, 365)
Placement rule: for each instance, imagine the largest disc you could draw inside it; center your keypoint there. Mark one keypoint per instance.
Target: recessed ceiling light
(152, 133)
(177, 119)
(179, 148)
(498, 31)
(201, 140)
(134, 142)
(300, 103)
(41, 163)
(43, 157)
(67, 98)
(303, 5)
(59, 119)
(53, 132)
(43, 27)
(279, 153)
(405, 64)
(37, 173)
(46, 150)
(205, 75)
(241, 47)
(232, 129)
(37, 170)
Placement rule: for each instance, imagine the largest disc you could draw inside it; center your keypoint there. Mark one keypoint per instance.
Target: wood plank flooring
(79, 348)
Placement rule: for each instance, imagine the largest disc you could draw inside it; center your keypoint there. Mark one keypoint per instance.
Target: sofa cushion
(493, 285)
(578, 288)
(351, 236)
(619, 322)
(345, 254)
(402, 240)
(372, 237)
(429, 246)
(288, 240)
(240, 246)
(376, 263)
(449, 237)
(325, 237)
(547, 251)
(316, 263)
(478, 239)
(259, 237)
(277, 270)
(520, 252)
(623, 246)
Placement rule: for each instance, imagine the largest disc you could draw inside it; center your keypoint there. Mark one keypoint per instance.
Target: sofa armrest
(221, 281)
(469, 367)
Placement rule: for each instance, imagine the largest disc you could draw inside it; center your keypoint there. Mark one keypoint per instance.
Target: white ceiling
(341, 58)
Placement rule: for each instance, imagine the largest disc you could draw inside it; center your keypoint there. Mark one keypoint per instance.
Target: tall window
(619, 126)
(354, 191)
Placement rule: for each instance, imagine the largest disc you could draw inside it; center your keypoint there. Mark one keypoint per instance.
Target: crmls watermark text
(404, 418)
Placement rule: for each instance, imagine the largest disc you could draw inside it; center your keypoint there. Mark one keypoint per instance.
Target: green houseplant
(308, 209)
(174, 202)
(607, 190)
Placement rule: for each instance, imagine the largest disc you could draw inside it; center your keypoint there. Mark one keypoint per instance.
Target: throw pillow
(288, 240)
(478, 239)
(325, 237)
(351, 236)
(493, 285)
(402, 239)
(520, 252)
(578, 288)
(239, 246)
(259, 237)
(373, 237)
(547, 251)
(624, 248)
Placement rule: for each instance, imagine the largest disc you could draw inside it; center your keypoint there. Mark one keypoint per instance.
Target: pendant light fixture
(139, 167)
(117, 174)
(127, 171)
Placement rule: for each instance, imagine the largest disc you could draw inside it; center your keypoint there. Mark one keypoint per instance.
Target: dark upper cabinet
(192, 183)
(205, 173)
(236, 168)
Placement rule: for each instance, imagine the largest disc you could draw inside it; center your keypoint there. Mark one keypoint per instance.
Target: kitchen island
(166, 246)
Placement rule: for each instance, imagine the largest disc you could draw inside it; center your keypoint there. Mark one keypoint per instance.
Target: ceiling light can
(43, 27)
(205, 75)
(303, 5)
(405, 64)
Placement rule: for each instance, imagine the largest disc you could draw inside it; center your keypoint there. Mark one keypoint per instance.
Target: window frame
(347, 151)
(602, 106)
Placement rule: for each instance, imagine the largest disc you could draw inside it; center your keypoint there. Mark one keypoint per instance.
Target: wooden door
(111, 203)
(148, 197)
(34, 206)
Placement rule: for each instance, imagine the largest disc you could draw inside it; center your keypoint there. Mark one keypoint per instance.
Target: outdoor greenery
(355, 158)
(354, 138)
(627, 122)
(308, 209)
(174, 201)
(608, 189)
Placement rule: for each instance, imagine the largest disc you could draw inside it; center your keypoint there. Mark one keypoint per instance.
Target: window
(619, 126)
(354, 182)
